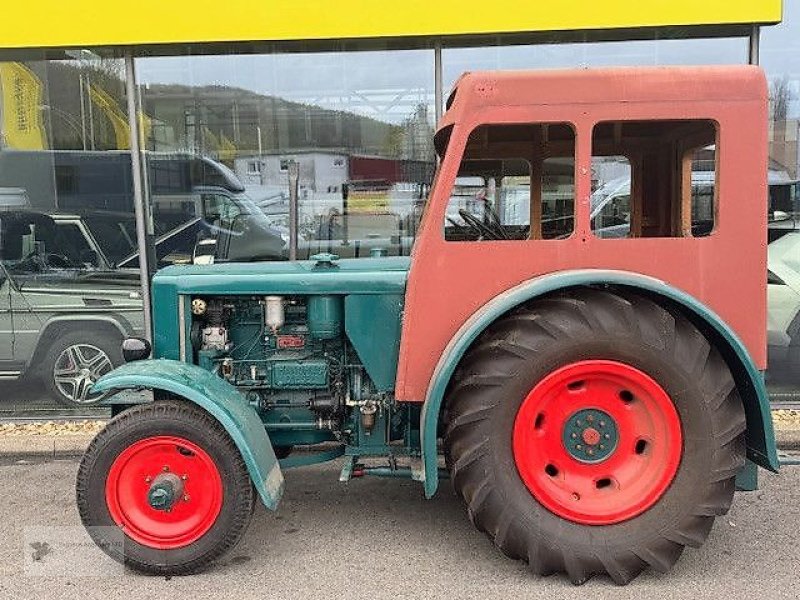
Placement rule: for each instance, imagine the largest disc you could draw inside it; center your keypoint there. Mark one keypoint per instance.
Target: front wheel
(594, 433)
(167, 480)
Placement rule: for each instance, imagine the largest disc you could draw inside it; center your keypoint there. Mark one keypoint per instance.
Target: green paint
(325, 317)
(298, 374)
(376, 276)
(372, 323)
(222, 401)
(761, 448)
(311, 458)
(747, 478)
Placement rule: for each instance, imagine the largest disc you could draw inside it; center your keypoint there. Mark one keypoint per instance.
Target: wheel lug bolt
(607, 436)
(148, 479)
(184, 477)
(574, 435)
(186, 498)
(590, 452)
(602, 423)
(578, 447)
(602, 447)
(590, 418)
(165, 469)
(578, 422)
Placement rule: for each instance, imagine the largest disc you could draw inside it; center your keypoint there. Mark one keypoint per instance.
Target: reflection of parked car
(242, 231)
(191, 196)
(783, 308)
(63, 314)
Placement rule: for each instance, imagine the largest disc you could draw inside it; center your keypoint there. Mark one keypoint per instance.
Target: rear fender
(761, 448)
(221, 400)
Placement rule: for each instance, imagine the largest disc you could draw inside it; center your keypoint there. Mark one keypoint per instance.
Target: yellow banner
(77, 23)
(118, 119)
(227, 149)
(21, 127)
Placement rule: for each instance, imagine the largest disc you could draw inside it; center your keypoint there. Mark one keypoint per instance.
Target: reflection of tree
(73, 121)
(418, 135)
(783, 148)
(780, 96)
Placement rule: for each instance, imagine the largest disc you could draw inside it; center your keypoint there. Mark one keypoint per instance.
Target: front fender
(761, 448)
(221, 400)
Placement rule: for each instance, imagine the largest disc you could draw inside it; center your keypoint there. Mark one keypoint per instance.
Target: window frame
(535, 172)
(683, 170)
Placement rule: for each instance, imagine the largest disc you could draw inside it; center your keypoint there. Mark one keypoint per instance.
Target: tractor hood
(324, 276)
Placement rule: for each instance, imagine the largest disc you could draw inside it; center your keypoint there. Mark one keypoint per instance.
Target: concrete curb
(44, 446)
(788, 439)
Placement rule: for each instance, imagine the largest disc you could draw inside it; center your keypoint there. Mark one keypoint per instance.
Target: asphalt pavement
(374, 538)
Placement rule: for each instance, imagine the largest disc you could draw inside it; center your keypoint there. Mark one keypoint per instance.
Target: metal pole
(294, 179)
(755, 35)
(91, 111)
(82, 83)
(139, 206)
(438, 89)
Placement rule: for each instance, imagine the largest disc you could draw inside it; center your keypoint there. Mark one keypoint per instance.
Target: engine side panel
(372, 323)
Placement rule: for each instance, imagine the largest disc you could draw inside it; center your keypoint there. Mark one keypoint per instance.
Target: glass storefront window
(780, 57)
(594, 54)
(360, 133)
(65, 301)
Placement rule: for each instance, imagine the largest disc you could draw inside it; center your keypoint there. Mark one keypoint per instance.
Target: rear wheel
(167, 476)
(594, 433)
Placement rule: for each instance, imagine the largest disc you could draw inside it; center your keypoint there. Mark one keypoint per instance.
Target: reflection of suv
(63, 314)
(783, 313)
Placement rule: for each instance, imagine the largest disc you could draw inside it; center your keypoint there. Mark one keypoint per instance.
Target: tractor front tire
(594, 432)
(164, 490)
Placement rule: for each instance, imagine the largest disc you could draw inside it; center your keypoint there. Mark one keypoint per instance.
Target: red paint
(591, 436)
(632, 478)
(192, 515)
(451, 281)
(291, 341)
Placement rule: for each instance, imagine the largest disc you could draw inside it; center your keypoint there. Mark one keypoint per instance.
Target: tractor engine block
(291, 359)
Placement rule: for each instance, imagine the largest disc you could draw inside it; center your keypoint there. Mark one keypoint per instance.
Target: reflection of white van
(611, 206)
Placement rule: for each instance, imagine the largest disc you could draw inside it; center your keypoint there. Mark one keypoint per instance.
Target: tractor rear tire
(594, 432)
(164, 490)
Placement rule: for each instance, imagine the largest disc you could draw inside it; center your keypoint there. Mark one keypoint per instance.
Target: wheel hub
(590, 435)
(164, 491)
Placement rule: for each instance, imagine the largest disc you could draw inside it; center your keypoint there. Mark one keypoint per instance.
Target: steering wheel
(40, 262)
(57, 261)
(482, 229)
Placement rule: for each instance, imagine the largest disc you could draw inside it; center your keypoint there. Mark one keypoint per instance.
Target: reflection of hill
(204, 118)
(192, 117)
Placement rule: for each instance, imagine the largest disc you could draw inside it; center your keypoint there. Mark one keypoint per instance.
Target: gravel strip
(783, 419)
(52, 428)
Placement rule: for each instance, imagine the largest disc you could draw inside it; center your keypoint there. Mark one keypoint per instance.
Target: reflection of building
(783, 145)
(325, 171)
(320, 171)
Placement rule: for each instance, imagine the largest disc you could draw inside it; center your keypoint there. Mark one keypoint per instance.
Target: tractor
(593, 388)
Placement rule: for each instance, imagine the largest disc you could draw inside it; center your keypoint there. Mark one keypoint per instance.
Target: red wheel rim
(183, 473)
(558, 437)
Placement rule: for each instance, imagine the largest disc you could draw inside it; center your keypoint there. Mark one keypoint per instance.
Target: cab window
(654, 178)
(515, 182)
